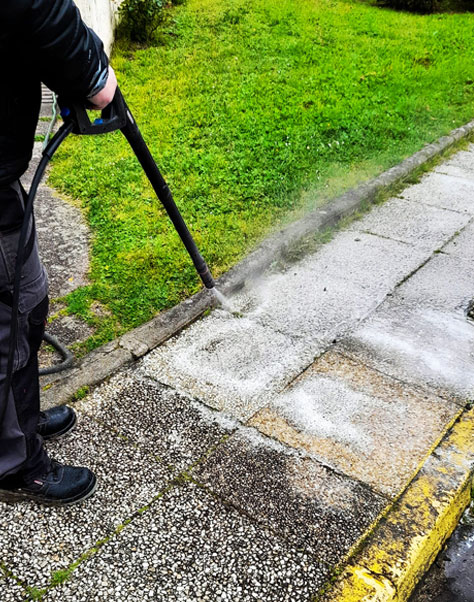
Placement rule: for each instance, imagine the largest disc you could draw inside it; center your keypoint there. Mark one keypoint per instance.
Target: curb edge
(404, 544)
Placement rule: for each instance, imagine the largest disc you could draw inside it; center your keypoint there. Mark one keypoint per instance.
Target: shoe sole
(65, 431)
(14, 496)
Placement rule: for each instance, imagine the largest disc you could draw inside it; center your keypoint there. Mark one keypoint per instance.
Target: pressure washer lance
(116, 116)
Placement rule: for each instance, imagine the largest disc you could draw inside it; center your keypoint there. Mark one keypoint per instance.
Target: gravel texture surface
(189, 547)
(310, 505)
(63, 236)
(10, 591)
(35, 540)
(175, 428)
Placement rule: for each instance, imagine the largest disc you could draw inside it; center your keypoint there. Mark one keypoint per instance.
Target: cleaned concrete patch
(189, 546)
(443, 190)
(429, 348)
(35, 540)
(371, 427)
(230, 363)
(322, 296)
(310, 505)
(416, 223)
(421, 334)
(176, 429)
(455, 171)
(445, 283)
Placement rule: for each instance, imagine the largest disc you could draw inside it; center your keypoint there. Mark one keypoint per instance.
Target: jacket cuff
(99, 81)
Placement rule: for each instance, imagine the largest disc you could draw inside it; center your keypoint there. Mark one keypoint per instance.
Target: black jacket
(41, 40)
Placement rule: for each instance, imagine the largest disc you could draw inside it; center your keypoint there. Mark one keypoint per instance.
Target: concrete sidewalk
(323, 428)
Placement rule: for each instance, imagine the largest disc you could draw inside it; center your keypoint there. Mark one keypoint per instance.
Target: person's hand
(100, 100)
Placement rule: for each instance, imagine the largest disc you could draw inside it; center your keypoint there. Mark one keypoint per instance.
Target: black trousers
(21, 449)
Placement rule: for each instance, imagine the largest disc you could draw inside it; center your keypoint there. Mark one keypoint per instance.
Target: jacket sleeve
(70, 57)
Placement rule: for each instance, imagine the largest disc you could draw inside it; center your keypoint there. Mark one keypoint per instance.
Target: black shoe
(56, 422)
(60, 486)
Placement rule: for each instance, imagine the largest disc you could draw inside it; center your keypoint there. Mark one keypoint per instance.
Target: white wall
(101, 15)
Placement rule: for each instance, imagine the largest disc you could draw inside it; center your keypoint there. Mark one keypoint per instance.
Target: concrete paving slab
(416, 223)
(462, 245)
(462, 160)
(310, 505)
(421, 334)
(371, 427)
(35, 541)
(190, 546)
(373, 263)
(231, 364)
(455, 171)
(429, 348)
(176, 429)
(445, 283)
(234, 364)
(321, 297)
(443, 190)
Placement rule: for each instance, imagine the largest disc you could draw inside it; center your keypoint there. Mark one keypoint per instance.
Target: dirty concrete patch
(176, 429)
(311, 506)
(443, 190)
(415, 223)
(63, 242)
(229, 363)
(462, 245)
(366, 425)
(35, 540)
(190, 546)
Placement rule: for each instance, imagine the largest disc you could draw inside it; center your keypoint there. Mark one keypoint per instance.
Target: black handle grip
(113, 117)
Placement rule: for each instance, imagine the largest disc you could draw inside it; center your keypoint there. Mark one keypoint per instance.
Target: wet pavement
(451, 578)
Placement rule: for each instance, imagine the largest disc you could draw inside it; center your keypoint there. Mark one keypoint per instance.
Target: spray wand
(116, 116)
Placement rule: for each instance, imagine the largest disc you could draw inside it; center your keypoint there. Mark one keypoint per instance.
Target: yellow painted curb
(408, 539)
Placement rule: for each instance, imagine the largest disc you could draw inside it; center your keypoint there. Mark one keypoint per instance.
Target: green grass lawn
(255, 111)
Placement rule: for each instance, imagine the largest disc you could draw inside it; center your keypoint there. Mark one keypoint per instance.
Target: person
(40, 41)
